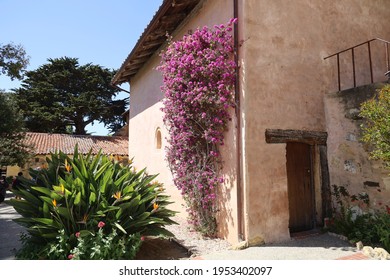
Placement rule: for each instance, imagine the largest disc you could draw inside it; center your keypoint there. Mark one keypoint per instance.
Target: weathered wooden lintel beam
(289, 135)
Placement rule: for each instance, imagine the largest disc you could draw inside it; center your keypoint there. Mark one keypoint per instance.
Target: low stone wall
(348, 157)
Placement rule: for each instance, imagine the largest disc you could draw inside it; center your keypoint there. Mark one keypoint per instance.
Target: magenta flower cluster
(198, 81)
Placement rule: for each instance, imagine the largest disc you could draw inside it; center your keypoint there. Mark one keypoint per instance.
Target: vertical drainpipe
(240, 212)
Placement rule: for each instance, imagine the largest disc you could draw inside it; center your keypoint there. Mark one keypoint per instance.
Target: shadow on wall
(226, 193)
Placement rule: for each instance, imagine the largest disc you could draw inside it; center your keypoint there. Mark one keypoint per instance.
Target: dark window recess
(371, 184)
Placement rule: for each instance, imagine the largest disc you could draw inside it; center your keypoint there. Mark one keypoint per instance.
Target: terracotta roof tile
(44, 143)
(165, 21)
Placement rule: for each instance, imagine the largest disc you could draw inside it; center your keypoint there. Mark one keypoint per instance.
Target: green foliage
(12, 147)
(382, 229)
(74, 196)
(13, 60)
(63, 94)
(370, 227)
(376, 130)
(91, 246)
(110, 246)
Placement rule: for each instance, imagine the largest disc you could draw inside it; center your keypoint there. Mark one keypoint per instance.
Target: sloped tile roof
(168, 17)
(45, 143)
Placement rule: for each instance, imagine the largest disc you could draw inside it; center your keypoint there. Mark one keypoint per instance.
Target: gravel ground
(315, 247)
(194, 242)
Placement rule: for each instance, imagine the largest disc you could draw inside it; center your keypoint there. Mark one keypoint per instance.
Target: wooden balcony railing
(369, 57)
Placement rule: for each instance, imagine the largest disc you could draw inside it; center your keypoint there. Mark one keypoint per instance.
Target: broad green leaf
(76, 151)
(129, 189)
(47, 200)
(102, 170)
(92, 198)
(118, 182)
(131, 206)
(105, 180)
(77, 198)
(77, 172)
(48, 222)
(49, 235)
(56, 196)
(30, 197)
(64, 212)
(118, 214)
(42, 190)
(96, 160)
(46, 210)
(143, 216)
(83, 169)
(120, 228)
(158, 231)
(84, 233)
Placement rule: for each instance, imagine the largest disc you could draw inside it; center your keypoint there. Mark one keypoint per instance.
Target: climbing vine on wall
(198, 79)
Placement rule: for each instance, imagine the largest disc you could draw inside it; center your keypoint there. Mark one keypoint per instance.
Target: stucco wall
(146, 117)
(349, 162)
(285, 79)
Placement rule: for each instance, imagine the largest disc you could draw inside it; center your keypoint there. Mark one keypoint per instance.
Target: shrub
(198, 80)
(382, 229)
(376, 129)
(73, 196)
(371, 227)
(101, 246)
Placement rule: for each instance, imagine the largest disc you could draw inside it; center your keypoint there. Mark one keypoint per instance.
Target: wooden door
(300, 189)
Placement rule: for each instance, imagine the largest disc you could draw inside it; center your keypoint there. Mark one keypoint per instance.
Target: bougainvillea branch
(198, 80)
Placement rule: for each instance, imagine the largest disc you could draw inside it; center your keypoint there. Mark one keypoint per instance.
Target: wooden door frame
(313, 138)
(275, 136)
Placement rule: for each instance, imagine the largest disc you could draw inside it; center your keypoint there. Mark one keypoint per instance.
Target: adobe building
(278, 147)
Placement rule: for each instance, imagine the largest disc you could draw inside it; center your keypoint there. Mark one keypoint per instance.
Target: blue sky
(94, 31)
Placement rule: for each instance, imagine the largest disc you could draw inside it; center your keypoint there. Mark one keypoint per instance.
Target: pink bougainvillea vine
(198, 80)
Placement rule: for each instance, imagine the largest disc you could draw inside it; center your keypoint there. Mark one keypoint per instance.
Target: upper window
(158, 138)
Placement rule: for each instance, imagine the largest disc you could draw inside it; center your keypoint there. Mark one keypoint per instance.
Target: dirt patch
(162, 249)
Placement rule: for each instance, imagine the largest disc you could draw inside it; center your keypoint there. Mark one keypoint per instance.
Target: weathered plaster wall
(38, 161)
(285, 79)
(146, 117)
(13, 170)
(349, 162)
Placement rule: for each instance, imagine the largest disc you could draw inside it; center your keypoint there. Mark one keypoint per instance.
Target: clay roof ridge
(170, 12)
(155, 16)
(45, 143)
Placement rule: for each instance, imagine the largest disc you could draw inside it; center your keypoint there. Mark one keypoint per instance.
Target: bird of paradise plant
(74, 194)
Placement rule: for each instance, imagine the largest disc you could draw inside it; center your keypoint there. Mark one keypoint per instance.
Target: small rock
(240, 246)
(368, 251)
(256, 241)
(359, 245)
(381, 254)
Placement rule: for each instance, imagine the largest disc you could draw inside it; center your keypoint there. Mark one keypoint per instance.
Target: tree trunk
(79, 126)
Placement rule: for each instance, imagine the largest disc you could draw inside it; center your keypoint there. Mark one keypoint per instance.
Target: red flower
(70, 256)
(388, 209)
(142, 238)
(77, 234)
(101, 224)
